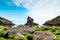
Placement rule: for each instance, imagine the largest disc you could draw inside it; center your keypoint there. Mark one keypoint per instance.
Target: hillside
(6, 22)
(54, 21)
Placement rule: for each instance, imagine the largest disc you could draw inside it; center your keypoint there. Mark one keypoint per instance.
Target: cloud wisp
(40, 10)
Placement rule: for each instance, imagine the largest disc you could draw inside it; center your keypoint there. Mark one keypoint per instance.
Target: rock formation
(21, 29)
(5, 22)
(30, 22)
(55, 21)
(44, 35)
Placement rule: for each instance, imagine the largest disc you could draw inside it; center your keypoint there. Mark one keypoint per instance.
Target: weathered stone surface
(30, 22)
(21, 29)
(44, 35)
(54, 21)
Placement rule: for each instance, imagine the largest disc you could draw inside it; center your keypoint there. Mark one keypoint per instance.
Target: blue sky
(40, 10)
(12, 12)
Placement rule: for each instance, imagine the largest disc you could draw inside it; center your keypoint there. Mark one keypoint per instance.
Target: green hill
(54, 21)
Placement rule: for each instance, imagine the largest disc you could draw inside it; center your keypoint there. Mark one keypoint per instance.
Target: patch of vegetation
(11, 36)
(29, 36)
(54, 29)
(1, 38)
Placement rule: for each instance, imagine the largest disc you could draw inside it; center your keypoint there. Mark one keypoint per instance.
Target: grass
(58, 37)
(54, 29)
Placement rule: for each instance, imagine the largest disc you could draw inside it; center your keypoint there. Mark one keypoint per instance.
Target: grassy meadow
(54, 29)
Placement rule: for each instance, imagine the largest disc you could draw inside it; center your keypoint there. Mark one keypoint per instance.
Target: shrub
(58, 34)
(29, 36)
(1, 32)
(11, 36)
(9, 39)
(58, 37)
(1, 38)
(24, 38)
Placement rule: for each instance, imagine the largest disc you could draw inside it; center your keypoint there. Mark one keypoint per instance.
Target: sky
(40, 10)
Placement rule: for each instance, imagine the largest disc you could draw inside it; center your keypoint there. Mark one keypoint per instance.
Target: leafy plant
(29, 36)
(58, 37)
(11, 36)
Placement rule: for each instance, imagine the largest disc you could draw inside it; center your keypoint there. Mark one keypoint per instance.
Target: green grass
(1, 38)
(58, 37)
(11, 36)
(29, 36)
(54, 29)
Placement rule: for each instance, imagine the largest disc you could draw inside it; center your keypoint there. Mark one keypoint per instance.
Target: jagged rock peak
(30, 22)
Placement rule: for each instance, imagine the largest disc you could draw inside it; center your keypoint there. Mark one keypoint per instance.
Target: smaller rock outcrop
(30, 22)
(54, 21)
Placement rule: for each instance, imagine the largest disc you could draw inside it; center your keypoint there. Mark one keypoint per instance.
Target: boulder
(21, 29)
(44, 35)
(28, 30)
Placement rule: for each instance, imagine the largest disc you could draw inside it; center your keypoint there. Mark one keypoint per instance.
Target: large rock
(44, 35)
(21, 29)
(30, 22)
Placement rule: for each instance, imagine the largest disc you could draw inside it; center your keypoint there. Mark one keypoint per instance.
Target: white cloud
(40, 10)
